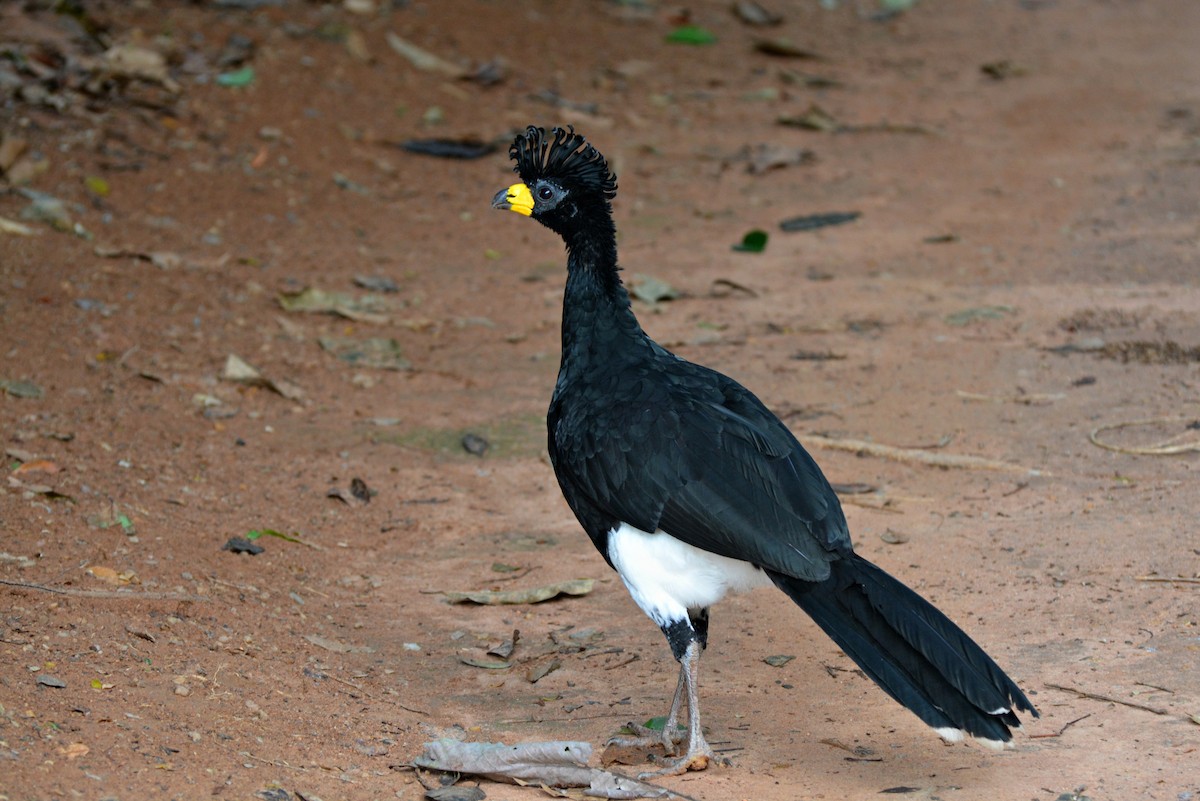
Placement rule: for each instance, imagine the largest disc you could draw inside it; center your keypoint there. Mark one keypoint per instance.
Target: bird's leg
(699, 754)
(679, 634)
(646, 737)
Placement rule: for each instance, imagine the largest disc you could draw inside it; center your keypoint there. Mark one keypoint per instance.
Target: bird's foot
(698, 757)
(668, 738)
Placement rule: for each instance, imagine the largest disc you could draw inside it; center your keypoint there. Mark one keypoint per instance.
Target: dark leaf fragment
(450, 148)
(456, 793)
(242, 545)
(811, 222)
(475, 444)
(360, 490)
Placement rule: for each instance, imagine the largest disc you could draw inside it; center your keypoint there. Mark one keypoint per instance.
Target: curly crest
(563, 156)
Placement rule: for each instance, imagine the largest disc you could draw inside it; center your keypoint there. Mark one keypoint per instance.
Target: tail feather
(915, 653)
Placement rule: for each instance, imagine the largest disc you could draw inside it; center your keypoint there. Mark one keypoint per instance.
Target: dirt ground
(1023, 274)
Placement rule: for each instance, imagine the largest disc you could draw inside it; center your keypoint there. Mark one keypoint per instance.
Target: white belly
(667, 577)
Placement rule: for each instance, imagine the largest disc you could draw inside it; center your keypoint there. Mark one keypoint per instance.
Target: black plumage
(689, 486)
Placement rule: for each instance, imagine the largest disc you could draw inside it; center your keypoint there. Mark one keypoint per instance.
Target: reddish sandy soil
(1002, 218)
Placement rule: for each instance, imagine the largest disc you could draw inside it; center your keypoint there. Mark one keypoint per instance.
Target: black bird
(689, 486)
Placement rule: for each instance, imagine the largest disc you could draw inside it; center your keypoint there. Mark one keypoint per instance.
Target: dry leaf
(555, 764)
(37, 466)
(532, 595)
(337, 647)
(111, 576)
(74, 751)
(422, 59)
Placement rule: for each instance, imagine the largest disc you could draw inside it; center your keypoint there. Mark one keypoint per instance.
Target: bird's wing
(702, 459)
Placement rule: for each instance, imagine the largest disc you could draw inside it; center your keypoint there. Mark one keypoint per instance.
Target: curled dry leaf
(532, 595)
(554, 764)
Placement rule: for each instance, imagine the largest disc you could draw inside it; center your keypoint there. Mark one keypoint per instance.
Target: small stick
(147, 595)
(1059, 733)
(1160, 449)
(1108, 698)
(1169, 579)
(919, 456)
(1030, 399)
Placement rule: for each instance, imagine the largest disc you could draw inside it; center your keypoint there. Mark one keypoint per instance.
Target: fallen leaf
(20, 388)
(783, 48)
(505, 648)
(337, 647)
(422, 59)
(967, 316)
(752, 13)
(765, 158)
(534, 675)
(753, 242)
(15, 228)
(474, 444)
(377, 353)
(814, 118)
(239, 371)
(691, 35)
(811, 222)
(242, 545)
(555, 764)
(651, 290)
(456, 793)
(532, 595)
(486, 664)
(450, 148)
(133, 61)
(237, 78)
(74, 751)
(111, 576)
(37, 466)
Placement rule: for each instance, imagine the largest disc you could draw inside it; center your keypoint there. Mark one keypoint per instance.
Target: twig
(1108, 698)
(249, 755)
(1169, 579)
(1161, 449)
(1029, 399)
(1059, 733)
(371, 695)
(146, 595)
(919, 456)
(632, 658)
(1155, 687)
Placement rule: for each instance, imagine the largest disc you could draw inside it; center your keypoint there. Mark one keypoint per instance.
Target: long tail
(912, 651)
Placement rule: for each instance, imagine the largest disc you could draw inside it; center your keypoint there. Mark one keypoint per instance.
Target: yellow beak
(516, 198)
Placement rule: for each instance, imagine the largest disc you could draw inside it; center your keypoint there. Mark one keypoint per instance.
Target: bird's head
(565, 182)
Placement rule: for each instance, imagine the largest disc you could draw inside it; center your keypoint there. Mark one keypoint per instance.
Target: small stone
(46, 680)
(183, 690)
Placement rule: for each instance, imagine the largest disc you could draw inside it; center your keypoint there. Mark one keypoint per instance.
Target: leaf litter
(549, 763)
(532, 595)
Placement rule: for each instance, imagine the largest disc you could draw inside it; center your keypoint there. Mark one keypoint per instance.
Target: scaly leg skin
(668, 738)
(698, 755)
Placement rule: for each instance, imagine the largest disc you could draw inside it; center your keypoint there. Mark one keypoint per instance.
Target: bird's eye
(545, 193)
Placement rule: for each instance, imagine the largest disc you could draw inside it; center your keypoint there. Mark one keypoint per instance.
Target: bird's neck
(598, 323)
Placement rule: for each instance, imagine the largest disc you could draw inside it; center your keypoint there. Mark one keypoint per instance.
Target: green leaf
(657, 724)
(691, 35)
(125, 523)
(237, 78)
(753, 242)
(96, 185)
(255, 533)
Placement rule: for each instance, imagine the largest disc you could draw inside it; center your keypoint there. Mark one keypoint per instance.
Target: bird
(690, 487)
